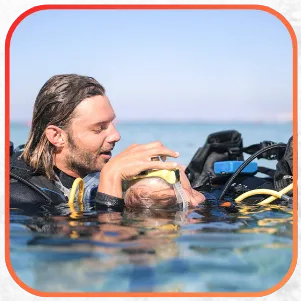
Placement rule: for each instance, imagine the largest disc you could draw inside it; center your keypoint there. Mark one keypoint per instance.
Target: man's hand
(132, 161)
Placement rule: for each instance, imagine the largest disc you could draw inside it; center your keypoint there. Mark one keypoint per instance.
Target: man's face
(91, 136)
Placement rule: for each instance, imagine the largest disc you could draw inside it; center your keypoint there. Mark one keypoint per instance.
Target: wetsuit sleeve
(105, 201)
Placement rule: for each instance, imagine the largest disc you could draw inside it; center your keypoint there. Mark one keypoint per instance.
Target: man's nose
(114, 135)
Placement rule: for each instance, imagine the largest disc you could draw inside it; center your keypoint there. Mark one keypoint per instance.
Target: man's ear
(55, 135)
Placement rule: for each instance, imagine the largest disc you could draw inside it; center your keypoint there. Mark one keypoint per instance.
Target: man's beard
(80, 161)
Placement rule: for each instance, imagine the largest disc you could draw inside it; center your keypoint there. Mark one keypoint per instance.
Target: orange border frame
(7, 150)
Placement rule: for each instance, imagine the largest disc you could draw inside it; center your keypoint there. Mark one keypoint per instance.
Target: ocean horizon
(184, 137)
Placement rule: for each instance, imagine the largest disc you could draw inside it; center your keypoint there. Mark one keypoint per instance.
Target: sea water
(143, 251)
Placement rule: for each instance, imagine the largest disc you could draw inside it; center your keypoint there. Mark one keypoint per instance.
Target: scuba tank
(225, 149)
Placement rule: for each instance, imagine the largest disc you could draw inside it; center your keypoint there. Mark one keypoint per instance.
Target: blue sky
(182, 65)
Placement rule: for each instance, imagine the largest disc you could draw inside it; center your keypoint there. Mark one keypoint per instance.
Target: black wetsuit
(33, 192)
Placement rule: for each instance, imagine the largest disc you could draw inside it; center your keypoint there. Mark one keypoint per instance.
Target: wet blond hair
(140, 194)
(55, 105)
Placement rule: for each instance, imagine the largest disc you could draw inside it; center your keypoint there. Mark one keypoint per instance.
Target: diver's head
(71, 127)
(151, 193)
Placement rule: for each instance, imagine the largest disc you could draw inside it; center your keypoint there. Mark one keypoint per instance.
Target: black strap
(267, 171)
(272, 154)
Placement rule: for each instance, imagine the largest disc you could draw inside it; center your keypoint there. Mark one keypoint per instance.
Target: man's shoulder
(20, 170)
(23, 180)
(18, 165)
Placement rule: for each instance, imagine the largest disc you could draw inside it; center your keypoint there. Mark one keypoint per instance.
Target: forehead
(94, 110)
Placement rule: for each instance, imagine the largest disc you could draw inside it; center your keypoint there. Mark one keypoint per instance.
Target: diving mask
(170, 176)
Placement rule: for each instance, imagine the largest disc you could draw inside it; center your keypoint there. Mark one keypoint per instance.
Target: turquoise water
(209, 250)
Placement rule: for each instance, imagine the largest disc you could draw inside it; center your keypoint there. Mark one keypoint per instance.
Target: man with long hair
(72, 135)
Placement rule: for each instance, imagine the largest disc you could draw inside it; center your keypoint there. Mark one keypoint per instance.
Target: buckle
(271, 154)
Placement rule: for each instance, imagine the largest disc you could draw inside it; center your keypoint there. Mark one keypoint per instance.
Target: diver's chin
(101, 164)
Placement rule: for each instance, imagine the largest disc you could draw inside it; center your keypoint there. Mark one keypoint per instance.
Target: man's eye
(97, 131)
(103, 127)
